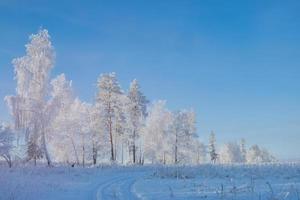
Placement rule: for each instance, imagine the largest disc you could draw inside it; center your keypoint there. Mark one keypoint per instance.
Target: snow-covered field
(272, 181)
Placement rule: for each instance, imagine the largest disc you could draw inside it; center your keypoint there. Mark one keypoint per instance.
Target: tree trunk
(122, 152)
(45, 148)
(133, 148)
(176, 149)
(111, 140)
(83, 156)
(140, 157)
(83, 149)
(8, 160)
(94, 154)
(115, 147)
(75, 151)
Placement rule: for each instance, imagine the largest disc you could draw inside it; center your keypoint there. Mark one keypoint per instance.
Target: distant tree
(212, 147)
(200, 152)
(194, 153)
(137, 113)
(156, 133)
(243, 149)
(267, 156)
(255, 154)
(6, 143)
(231, 153)
(183, 130)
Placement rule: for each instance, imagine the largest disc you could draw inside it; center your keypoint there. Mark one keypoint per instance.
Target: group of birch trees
(51, 124)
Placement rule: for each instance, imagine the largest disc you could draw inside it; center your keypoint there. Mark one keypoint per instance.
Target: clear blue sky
(237, 63)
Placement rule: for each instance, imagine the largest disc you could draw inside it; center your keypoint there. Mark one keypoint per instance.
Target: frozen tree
(120, 127)
(61, 93)
(77, 133)
(156, 133)
(122, 130)
(72, 133)
(96, 132)
(183, 130)
(231, 153)
(34, 151)
(255, 154)
(76, 128)
(195, 153)
(6, 143)
(137, 113)
(243, 149)
(108, 101)
(200, 151)
(83, 129)
(60, 105)
(212, 147)
(267, 156)
(29, 106)
(71, 123)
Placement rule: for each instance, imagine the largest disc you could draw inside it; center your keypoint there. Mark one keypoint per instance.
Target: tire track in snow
(117, 188)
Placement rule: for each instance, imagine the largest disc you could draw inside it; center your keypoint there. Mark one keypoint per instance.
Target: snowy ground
(281, 181)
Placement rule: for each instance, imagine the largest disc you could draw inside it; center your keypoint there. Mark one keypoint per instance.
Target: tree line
(51, 124)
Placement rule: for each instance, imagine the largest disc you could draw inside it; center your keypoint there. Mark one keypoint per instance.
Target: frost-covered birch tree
(29, 105)
(61, 102)
(97, 133)
(183, 131)
(156, 134)
(137, 108)
(120, 128)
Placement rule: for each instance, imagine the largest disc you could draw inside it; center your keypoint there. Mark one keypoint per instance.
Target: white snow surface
(246, 182)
